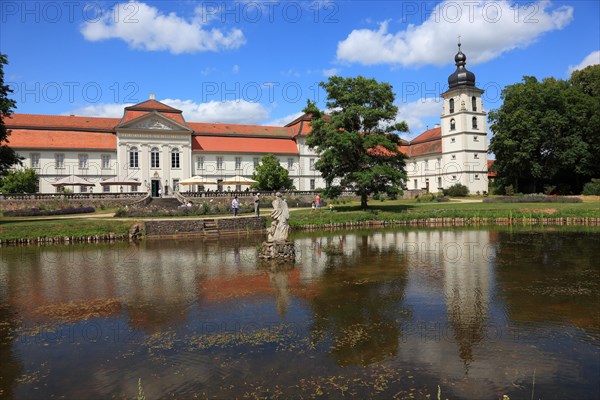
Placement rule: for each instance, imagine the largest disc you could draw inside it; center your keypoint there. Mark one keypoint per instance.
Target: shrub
(592, 188)
(457, 190)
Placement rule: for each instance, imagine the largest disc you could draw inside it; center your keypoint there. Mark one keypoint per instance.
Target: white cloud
(283, 120)
(146, 28)
(415, 113)
(107, 110)
(232, 111)
(331, 72)
(487, 28)
(591, 59)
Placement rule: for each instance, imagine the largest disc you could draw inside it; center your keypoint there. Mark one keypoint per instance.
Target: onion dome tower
(463, 130)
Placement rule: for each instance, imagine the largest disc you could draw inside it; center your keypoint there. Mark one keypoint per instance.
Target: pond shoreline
(226, 227)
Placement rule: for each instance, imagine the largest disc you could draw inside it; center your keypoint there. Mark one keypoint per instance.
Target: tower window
(452, 124)
(474, 122)
(474, 103)
(453, 140)
(451, 106)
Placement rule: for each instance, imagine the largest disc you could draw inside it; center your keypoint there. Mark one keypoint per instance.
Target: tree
(357, 141)
(19, 181)
(8, 157)
(271, 175)
(548, 133)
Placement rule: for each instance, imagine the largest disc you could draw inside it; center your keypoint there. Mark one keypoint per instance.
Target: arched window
(474, 122)
(452, 124)
(154, 158)
(175, 158)
(133, 158)
(451, 106)
(474, 103)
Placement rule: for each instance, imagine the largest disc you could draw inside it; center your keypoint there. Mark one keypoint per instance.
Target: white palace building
(153, 144)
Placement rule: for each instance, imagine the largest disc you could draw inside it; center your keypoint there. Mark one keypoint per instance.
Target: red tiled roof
(130, 115)
(50, 122)
(380, 151)
(491, 173)
(243, 145)
(152, 105)
(430, 134)
(428, 142)
(242, 130)
(65, 139)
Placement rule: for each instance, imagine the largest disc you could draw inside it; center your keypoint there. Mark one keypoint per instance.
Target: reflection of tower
(466, 286)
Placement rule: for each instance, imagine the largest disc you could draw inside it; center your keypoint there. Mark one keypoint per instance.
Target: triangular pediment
(153, 121)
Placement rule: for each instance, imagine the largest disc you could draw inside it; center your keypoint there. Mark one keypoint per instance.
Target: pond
(474, 313)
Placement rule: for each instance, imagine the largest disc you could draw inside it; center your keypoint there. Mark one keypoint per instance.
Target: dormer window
(451, 106)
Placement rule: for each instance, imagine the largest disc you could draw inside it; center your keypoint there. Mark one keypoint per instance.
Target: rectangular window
(35, 160)
(238, 163)
(106, 188)
(83, 189)
(415, 183)
(256, 161)
(105, 161)
(174, 159)
(175, 184)
(439, 182)
(219, 162)
(290, 164)
(83, 161)
(312, 184)
(154, 159)
(133, 159)
(199, 163)
(312, 164)
(59, 160)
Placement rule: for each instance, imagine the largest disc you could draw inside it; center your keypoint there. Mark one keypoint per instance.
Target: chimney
(151, 96)
(436, 126)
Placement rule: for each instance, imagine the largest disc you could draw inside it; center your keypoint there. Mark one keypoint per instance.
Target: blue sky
(258, 62)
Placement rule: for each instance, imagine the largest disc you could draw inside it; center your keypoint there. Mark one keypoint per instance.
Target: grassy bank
(51, 227)
(404, 210)
(388, 211)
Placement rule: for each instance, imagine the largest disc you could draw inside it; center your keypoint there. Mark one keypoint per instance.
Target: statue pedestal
(282, 250)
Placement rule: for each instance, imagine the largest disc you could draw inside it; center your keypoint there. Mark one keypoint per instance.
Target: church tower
(463, 131)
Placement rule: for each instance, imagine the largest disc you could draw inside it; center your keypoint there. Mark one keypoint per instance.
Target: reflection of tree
(358, 306)
(10, 367)
(550, 276)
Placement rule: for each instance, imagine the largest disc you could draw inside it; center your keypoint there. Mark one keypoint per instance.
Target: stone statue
(280, 228)
(277, 245)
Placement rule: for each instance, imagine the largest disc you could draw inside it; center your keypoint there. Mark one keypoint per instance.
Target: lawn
(410, 209)
(53, 227)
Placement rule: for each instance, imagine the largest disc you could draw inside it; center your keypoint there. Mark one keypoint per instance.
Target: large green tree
(19, 181)
(547, 134)
(357, 139)
(8, 157)
(270, 175)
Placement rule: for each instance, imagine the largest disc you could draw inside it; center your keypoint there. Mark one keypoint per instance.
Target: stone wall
(200, 226)
(55, 204)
